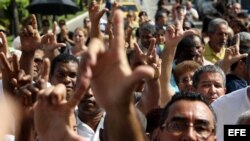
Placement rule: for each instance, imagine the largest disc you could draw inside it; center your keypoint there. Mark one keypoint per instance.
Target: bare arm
(173, 36)
(116, 98)
(151, 95)
(30, 41)
(95, 15)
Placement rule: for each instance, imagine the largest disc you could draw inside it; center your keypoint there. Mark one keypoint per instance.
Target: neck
(214, 48)
(91, 120)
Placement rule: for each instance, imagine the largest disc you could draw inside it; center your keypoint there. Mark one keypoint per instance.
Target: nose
(225, 36)
(66, 80)
(212, 89)
(190, 82)
(189, 135)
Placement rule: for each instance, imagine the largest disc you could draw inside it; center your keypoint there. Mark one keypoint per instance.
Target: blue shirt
(234, 83)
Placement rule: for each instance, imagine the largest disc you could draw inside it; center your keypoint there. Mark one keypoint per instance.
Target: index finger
(4, 64)
(118, 28)
(237, 43)
(34, 22)
(138, 49)
(54, 28)
(151, 46)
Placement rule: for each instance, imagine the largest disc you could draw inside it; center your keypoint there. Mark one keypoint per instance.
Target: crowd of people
(136, 79)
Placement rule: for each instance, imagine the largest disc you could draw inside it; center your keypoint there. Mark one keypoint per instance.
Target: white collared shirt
(87, 132)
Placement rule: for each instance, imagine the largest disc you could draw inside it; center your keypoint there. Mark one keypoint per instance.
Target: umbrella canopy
(52, 7)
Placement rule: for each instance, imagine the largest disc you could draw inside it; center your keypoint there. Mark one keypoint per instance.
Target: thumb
(142, 72)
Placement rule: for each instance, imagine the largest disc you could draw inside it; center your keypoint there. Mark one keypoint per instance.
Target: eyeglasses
(203, 130)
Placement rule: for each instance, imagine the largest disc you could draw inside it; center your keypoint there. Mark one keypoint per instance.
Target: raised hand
(151, 58)
(95, 13)
(113, 82)
(174, 35)
(49, 42)
(9, 71)
(112, 63)
(232, 55)
(30, 37)
(151, 95)
(54, 115)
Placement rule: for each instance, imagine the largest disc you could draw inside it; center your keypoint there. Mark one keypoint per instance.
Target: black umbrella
(52, 7)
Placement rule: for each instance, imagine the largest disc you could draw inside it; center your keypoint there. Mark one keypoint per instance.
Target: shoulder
(230, 99)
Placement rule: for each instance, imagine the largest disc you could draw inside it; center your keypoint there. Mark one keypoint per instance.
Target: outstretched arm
(113, 83)
(150, 98)
(30, 41)
(95, 15)
(173, 36)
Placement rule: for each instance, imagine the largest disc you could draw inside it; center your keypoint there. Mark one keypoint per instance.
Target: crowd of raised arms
(130, 78)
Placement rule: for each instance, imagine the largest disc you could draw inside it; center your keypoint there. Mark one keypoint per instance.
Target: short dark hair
(190, 96)
(147, 27)
(143, 13)
(62, 58)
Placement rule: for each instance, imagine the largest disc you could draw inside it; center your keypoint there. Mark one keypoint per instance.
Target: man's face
(163, 20)
(188, 120)
(37, 65)
(211, 86)
(236, 8)
(86, 23)
(199, 48)
(65, 73)
(145, 37)
(218, 39)
(88, 105)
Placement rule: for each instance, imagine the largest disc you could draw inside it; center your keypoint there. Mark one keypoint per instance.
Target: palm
(30, 37)
(113, 80)
(111, 65)
(52, 106)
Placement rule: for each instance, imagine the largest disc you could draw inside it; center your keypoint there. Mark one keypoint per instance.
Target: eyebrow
(184, 119)
(179, 118)
(202, 121)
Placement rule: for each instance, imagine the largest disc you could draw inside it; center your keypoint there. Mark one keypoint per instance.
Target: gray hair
(205, 69)
(244, 117)
(214, 23)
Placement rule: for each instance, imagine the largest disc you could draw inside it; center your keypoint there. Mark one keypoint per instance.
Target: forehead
(211, 76)
(186, 73)
(197, 40)
(190, 110)
(39, 53)
(221, 28)
(79, 32)
(66, 67)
